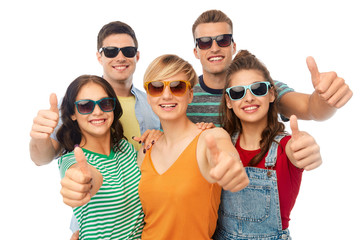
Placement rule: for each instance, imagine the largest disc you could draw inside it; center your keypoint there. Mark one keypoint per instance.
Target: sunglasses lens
(111, 52)
(107, 104)
(178, 88)
(85, 107)
(259, 89)
(129, 52)
(237, 92)
(224, 40)
(155, 88)
(204, 42)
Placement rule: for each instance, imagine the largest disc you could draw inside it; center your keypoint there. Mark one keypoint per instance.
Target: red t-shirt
(288, 176)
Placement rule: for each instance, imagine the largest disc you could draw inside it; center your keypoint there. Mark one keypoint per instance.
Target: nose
(248, 96)
(97, 110)
(214, 46)
(167, 94)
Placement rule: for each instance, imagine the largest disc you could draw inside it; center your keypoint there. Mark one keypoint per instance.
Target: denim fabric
(254, 212)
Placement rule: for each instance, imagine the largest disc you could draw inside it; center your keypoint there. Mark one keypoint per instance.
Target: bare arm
(331, 92)
(43, 148)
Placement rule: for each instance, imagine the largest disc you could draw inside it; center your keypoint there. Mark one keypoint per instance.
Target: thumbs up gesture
(302, 149)
(226, 167)
(331, 88)
(46, 121)
(81, 181)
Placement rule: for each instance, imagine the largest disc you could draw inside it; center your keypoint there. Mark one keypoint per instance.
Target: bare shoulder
(217, 132)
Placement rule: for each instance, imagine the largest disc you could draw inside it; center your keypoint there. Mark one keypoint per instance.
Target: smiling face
(214, 60)
(119, 68)
(96, 124)
(168, 106)
(250, 108)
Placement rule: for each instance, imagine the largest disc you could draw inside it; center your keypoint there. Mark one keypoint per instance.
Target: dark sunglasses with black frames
(111, 52)
(223, 40)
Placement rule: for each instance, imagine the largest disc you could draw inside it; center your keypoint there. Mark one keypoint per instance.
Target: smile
(217, 58)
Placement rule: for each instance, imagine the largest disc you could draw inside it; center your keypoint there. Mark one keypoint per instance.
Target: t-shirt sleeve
(282, 89)
(65, 162)
(53, 135)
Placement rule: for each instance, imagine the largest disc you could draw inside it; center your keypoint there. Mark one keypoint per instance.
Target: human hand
(75, 235)
(331, 88)
(304, 151)
(227, 168)
(77, 183)
(46, 121)
(204, 125)
(149, 138)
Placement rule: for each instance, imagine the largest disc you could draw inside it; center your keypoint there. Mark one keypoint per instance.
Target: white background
(47, 44)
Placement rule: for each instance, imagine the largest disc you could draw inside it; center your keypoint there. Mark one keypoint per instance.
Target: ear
(271, 94)
(196, 53)
(191, 95)
(98, 56)
(73, 117)
(234, 48)
(228, 101)
(137, 56)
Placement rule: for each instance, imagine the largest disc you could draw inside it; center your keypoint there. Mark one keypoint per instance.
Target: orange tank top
(180, 203)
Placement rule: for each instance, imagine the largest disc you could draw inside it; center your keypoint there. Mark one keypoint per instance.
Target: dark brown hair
(115, 27)
(244, 60)
(69, 132)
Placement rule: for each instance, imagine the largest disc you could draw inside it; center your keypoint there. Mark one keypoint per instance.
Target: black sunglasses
(111, 52)
(87, 106)
(223, 40)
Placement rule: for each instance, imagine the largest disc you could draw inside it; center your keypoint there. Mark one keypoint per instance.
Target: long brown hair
(244, 60)
(69, 133)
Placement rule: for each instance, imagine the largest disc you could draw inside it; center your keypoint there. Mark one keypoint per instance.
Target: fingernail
(144, 151)
(153, 141)
(140, 142)
(132, 137)
(76, 145)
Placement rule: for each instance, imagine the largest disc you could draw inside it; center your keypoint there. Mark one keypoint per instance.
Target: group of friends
(195, 157)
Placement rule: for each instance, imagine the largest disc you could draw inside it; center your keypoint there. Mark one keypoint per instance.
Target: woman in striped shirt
(100, 181)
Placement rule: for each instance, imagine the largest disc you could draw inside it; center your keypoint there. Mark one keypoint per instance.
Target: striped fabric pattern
(206, 101)
(115, 211)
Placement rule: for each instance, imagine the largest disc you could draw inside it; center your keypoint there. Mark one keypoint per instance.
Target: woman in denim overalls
(274, 161)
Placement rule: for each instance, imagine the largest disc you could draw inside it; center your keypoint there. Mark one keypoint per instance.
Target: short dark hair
(115, 27)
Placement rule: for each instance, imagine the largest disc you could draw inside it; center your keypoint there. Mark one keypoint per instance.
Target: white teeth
(250, 108)
(120, 68)
(167, 105)
(97, 121)
(216, 58)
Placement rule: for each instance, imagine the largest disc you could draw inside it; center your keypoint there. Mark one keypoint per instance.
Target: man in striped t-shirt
(215, 46)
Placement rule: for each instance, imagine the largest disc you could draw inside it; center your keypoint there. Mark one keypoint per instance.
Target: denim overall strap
(270, 160)
(254, 212)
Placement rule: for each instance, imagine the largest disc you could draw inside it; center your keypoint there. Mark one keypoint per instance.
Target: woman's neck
(101, 145)
(177, 130)
(251, 135)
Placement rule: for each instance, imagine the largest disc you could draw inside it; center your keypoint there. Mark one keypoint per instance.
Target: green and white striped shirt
(115, 211)
(206, 101)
